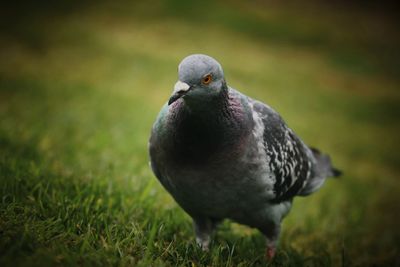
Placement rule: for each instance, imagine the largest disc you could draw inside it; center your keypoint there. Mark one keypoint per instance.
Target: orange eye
(207, 79)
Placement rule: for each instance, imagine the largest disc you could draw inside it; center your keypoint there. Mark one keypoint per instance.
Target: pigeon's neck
(202, 132)
(214, 109)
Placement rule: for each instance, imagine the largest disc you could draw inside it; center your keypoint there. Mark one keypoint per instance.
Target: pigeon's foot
(203, 243)
(204, 228)
(270, 252)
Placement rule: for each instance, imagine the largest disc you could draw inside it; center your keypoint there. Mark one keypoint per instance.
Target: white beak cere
(181, 87)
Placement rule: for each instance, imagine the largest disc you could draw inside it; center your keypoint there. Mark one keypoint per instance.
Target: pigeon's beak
(180, 89)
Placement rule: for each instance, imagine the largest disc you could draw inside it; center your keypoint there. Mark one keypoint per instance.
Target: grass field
(81, 84)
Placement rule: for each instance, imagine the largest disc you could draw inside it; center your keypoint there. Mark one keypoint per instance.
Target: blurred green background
(81, 83)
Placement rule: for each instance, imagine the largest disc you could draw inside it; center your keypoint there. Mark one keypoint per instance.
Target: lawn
(81, 84)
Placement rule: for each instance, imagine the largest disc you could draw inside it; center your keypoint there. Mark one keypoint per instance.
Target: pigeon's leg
(203, 228)
(271, 231)
(272, 226)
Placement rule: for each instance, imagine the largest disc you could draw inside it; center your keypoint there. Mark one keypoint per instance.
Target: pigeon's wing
(289, 159)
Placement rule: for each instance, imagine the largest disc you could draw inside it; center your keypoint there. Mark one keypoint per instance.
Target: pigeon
(223, 155)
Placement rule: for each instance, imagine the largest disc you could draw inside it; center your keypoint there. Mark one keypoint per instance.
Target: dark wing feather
(289, 157)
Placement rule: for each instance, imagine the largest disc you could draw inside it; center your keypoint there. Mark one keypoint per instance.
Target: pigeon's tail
(323, 170)
(324, 165)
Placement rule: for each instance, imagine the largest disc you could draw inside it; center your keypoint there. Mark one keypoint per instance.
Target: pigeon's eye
(206, 79)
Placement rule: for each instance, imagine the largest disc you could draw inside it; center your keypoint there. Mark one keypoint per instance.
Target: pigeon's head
(200, 78)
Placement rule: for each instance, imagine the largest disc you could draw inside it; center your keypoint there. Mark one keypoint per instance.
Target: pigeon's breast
(215, 167)
(229, 187)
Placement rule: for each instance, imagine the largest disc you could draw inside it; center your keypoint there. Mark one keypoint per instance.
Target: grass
(80, 86)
